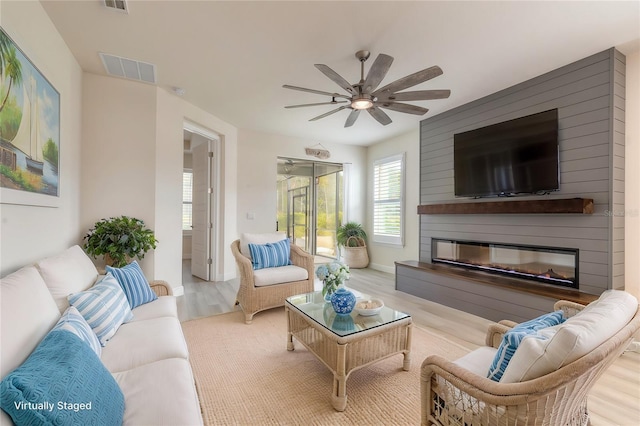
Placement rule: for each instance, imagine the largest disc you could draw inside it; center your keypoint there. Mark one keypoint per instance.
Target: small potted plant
(352, 238)
(119, 240)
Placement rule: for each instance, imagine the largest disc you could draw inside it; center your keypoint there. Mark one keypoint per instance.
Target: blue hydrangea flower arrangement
(332, 276)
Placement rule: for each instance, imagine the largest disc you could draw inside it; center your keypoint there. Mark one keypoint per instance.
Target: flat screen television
(518, 156)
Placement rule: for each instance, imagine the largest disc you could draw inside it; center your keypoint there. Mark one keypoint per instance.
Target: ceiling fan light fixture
(362, 102)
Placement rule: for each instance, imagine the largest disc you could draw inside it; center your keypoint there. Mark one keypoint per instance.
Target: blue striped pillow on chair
(134, 284)
(512, 338)
(104, 306)
(270, 255)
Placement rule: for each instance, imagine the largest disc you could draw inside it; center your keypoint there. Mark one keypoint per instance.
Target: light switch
(250, 216)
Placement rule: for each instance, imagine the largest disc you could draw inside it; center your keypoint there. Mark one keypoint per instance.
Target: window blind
(187, 199)
(388, 187)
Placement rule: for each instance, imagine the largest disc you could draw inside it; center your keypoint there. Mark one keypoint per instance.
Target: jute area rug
(245, 376)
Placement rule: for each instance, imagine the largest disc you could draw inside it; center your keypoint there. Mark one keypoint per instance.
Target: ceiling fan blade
(379, 115)
(326, 114)
(406, 108)
(316, 104)
(352, 118)
(317, 92)
(418, 95)
(410, 80)
(336, 78)
(377, 72)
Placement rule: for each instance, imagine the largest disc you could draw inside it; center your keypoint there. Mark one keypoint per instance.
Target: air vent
(120, 5)
(129, 68)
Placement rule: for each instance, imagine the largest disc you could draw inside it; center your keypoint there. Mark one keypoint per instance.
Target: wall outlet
(250, 216)
(634, 347)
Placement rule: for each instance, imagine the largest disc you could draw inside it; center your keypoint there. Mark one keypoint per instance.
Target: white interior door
(201, 215)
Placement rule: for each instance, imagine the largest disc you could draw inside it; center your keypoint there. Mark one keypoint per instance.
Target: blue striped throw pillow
(134, 284)
(512, 338)
(75, 323)
(104, 306)
(270, 255)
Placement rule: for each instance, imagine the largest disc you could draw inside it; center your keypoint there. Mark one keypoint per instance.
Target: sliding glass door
(310, 198)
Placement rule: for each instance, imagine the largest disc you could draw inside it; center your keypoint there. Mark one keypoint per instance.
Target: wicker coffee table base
(342, 355)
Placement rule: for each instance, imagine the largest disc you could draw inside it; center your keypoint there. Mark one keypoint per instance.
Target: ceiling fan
(364, 96)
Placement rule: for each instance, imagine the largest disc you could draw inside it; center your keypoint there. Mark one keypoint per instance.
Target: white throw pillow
(246, 239)
(68, 272)
(554, 347)
(27, 313)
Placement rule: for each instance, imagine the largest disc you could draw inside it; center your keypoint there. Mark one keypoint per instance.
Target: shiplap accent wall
(589, 95)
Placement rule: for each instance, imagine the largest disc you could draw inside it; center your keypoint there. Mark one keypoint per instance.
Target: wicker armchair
(452, 395)
(254, 299)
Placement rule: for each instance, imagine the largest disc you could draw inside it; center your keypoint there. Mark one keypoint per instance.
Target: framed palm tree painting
(29, 131)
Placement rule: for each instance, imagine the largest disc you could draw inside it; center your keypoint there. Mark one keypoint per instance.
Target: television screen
(514, 157)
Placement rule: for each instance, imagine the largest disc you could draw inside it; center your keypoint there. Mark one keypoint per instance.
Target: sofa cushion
(246, 239)
(153, 397)
(512, 339)
(143, 342)
(68, 272)
(134, 284)
(163, 306)
(552, 348)
(67, 376)
(104, 306)
(283, 274)
(270, 255)
(27, 313)
(75, 323)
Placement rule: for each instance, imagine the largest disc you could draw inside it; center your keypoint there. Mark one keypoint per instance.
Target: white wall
(632, 175)
(257, 170)
(382, 257)
(133, 162)
(118, 156)
(30, 233)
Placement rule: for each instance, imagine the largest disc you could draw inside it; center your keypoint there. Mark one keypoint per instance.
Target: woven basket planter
(356, 257)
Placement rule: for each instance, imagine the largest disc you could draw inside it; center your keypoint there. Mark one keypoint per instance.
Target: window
(388, 190)
(187, 198)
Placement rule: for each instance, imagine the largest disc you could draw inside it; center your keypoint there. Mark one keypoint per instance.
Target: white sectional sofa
(147, 357)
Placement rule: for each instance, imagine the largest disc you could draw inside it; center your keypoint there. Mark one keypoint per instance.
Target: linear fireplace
(551, 265)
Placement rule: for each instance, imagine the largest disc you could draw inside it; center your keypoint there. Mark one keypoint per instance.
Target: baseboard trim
(178, 291)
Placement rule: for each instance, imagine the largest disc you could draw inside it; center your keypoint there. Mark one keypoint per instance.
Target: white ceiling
(232, 58)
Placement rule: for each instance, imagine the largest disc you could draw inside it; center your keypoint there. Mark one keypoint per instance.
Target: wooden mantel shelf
(555, 205)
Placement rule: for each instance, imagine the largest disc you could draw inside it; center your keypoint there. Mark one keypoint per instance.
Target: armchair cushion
(512, 339)
(246, 239)
(283, 274)
(552, 348)
(270, 255)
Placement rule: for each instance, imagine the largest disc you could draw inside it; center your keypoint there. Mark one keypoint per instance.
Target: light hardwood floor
(614, 400)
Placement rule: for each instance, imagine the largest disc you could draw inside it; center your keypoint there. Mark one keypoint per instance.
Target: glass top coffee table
(345, 343)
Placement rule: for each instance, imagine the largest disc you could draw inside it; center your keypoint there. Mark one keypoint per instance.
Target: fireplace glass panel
(558, 266)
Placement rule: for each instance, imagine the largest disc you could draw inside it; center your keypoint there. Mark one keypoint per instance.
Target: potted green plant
(119, 240)
(353, 240)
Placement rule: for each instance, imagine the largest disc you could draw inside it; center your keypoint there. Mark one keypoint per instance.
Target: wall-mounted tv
(518, 156)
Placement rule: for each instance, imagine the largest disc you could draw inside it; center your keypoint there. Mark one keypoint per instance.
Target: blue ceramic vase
(343, 301)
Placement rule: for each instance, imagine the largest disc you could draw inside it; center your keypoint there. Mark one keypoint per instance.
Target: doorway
(199, 202)
(310, 200)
